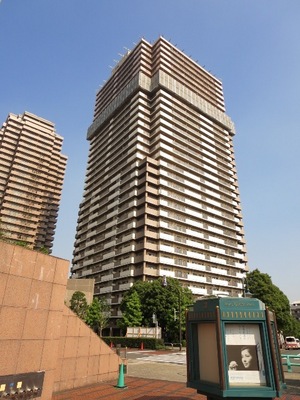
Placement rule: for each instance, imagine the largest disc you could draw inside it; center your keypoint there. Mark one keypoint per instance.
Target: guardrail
(172, 345)
(290, 361)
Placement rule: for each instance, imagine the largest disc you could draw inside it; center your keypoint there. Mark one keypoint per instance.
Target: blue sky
(56, 53)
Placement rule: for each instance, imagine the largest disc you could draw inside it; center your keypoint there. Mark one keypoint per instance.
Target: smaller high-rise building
(32, 171)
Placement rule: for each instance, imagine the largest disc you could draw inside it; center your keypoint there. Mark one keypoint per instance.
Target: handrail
(173, 345)
(290, 363)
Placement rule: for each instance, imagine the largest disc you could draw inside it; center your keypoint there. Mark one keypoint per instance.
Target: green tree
(20, 243)
(164, 301)
(131, 310)
(78, 304)
(43, 250)
(261, 287)
(97, 315)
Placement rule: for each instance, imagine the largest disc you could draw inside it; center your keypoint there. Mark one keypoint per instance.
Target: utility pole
(180, 329)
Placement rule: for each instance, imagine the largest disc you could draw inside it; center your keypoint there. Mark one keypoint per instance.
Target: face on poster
(244, 354)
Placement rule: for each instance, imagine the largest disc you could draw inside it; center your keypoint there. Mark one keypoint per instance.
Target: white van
(290, 343)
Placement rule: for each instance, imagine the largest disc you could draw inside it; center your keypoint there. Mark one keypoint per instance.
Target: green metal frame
(221, 312)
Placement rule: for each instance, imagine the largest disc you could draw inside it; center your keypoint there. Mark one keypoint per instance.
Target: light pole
(180, 330)
(155, 321)
(246, 292)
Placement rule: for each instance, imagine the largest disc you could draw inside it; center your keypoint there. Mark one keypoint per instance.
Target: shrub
(148, 343)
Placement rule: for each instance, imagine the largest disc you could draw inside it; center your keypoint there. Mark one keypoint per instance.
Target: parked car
(290, 343)
(298, 342)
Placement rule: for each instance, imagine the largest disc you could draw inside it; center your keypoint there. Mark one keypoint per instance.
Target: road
(171, 366)
(154, 375)
(162, 365)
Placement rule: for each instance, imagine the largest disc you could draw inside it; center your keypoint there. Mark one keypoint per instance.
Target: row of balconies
(214, 130)
(208, 283)
(154, 234)
(205, 255)
(210, 280)
(202, 216)
(156, 193)
(15, 229)
(189, 244)
(198, 100)
(105, 278)
(211, 206)
(18, 218)
(187, 75)
(170, 261)
(154, 258)
(115, 84)
(215, 167)
(205, 148)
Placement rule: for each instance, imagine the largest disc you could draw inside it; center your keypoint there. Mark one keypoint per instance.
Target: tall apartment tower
(161, 192)
(32, 171)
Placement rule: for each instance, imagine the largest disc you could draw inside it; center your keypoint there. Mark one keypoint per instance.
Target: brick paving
(140, 389)
(137, 388)
(153, 377)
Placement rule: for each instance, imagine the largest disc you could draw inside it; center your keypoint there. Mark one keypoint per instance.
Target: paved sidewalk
(140, 389)
(156, 376)
(137, 388)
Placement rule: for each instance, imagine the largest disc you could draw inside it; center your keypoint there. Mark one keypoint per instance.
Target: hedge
(140, 342)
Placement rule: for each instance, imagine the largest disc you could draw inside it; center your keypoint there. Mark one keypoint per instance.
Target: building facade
(32, 171)
(161, 195)
(295, 309)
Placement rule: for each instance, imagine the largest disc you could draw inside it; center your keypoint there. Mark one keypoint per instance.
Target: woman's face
(246, 358)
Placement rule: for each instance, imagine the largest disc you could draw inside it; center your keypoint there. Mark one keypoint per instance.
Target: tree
(164, 302)
(43, 250)
(97, 315)
(261, 287)
(21, 243)
(78, 304)
(131, 310)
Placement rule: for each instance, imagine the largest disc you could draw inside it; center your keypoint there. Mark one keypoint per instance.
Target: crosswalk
(171, 358)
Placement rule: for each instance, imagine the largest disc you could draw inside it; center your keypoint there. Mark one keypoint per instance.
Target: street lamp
(155, 321)
(246, 292)
(180, 330)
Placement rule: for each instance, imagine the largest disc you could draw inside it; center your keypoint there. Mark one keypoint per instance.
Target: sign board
(244, 354)
(232, 349)
(135, 332)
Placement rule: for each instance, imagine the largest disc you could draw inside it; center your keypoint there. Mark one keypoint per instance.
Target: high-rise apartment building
(32, 171)
(161, 194)
(295, 310)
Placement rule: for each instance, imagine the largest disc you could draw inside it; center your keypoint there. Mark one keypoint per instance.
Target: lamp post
(180, 330)
(246, 292)
(155, 321)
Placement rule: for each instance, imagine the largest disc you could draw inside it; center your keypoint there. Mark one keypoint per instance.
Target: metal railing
(172, 345)
(290, 358)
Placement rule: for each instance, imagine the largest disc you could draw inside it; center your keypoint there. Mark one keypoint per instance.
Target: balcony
(125, 286)
(107, 289)
(198, 291)
(106, 278)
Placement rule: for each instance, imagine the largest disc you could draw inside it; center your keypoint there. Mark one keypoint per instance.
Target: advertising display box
(232, 349)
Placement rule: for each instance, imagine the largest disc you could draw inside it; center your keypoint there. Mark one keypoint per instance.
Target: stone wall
(38, 332)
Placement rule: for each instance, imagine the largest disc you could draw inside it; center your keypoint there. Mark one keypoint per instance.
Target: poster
(209, 371)
(244, 355)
